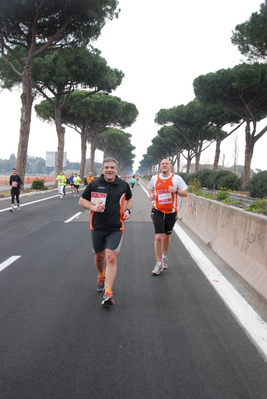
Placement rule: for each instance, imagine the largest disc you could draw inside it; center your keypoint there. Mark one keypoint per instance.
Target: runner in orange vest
(89, 178)
(164, 189)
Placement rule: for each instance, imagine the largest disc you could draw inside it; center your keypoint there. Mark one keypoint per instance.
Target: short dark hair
(110, 159)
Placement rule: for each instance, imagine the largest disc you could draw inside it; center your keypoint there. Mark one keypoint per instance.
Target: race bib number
(14, 184)
(164, 197)
(98, 198)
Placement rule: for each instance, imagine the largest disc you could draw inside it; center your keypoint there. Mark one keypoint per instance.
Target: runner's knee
(159, 237)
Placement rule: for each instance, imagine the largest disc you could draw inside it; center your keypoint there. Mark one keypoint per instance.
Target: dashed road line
(73, 217)
(8, 262)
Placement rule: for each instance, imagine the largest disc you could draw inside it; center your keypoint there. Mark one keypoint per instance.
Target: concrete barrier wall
(237, 236)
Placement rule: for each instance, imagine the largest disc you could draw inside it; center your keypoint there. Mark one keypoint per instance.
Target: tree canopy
(193, 123)
(91, 115)
(40, 25)
(117, 144)
(251, 36)
(243, 91)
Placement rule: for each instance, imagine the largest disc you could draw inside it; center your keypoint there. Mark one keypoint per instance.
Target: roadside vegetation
(221, 184)
(224, 184)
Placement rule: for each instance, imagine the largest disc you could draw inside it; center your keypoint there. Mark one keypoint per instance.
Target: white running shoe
(157, 269)
(18, 208)
(164, 263)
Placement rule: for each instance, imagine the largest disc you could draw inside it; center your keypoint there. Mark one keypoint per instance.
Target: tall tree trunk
(83, 152)
(61, 140)
(92, 154)
(197, 162)
(188, 162)
(248, 156)
(217, 150)
(25, 120)
(178, 159)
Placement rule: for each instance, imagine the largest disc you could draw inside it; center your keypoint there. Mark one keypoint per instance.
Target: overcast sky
(161, 46)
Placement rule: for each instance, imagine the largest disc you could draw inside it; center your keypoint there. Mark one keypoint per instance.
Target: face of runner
(14, 172)
(165, 167)
(109, 170)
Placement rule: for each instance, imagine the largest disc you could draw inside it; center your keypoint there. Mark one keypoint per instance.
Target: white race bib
(164, 197)
(98, 198)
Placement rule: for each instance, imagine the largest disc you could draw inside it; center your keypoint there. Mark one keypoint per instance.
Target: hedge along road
(167, 336)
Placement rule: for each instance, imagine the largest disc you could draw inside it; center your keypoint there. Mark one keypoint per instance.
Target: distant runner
(15, 182)
(76, 181)
(61, 182)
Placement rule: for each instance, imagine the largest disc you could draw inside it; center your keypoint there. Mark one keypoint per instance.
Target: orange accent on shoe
(109, 293)
(101, 280)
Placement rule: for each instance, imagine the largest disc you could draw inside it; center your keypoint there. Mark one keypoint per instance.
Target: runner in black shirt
(15, 183)
(110, 201)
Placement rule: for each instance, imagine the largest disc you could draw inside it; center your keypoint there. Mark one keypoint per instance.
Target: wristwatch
(129, 210)
(176, 192)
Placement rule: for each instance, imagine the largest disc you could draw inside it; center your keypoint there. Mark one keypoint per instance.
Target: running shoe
(11, 209)
(164, 263)
(108, 299)
(18, 208)
(157, 269)
(100, 284)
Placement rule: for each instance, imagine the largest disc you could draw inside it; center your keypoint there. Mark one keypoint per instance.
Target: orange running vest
(165, 201)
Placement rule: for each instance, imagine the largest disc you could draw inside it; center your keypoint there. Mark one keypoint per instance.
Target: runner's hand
(98, 208)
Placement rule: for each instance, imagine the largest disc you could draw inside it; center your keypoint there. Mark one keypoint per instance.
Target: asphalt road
(168, 336)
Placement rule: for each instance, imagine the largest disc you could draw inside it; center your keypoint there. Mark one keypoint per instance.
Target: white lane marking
(73, 217)
(40, 200)
(8, 262)
(252, 323)
(32, 202)
(254, 326)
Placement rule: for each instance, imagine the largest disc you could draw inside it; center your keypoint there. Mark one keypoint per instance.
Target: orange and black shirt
(113, 195)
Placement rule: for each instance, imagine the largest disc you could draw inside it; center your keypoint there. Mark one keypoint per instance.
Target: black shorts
(102, 240)
(163, 222)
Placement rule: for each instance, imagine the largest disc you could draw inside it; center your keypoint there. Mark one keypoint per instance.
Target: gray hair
(110, 159)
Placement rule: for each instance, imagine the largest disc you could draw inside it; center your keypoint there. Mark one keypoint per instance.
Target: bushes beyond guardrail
(38, 185)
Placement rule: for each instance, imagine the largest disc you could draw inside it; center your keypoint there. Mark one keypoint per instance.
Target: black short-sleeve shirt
(115, 194)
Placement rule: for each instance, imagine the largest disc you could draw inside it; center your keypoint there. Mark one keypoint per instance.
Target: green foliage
(203, 176)
(213, 180)
(117, 144)
(258, 206)
(38, 185)
(194, 186)
(250, 36)
(257, 185)
(222, 196)
(231, 181)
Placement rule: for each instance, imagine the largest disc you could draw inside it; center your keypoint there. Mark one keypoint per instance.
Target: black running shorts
(102, 240)
(163, 222)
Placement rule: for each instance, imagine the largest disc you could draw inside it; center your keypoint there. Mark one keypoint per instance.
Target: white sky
(161, 46)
